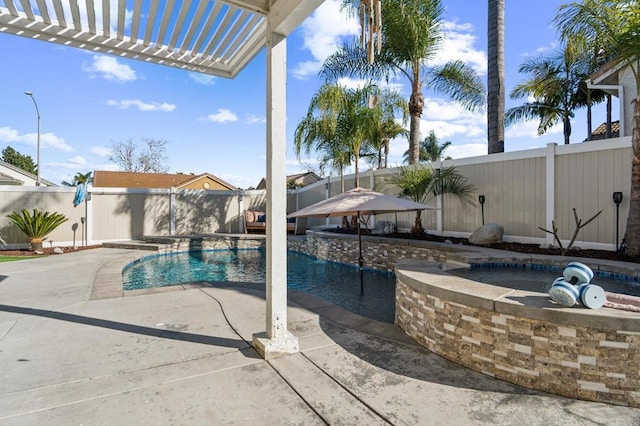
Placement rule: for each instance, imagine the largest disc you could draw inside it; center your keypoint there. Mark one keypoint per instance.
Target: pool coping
(108, 284)
(108, 279)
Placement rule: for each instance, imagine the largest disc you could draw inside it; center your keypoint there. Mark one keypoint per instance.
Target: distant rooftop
(116, 179)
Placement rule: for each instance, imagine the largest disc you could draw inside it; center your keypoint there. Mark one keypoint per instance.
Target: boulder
(487, 234)
(57, 250)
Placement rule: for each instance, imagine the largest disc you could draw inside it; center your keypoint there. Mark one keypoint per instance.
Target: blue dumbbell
(577, 273)
(563, 292)
(591, 296)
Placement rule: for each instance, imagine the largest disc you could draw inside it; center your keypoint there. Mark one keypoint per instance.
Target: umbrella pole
(360, 260)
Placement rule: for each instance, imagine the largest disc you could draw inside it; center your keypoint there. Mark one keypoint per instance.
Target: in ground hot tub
(520, 336)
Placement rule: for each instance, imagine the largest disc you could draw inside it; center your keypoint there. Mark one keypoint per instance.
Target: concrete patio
(183, 356)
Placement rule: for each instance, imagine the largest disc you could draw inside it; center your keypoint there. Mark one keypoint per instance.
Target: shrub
(38, 225)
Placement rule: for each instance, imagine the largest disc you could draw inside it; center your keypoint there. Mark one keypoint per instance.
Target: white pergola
(217, 37)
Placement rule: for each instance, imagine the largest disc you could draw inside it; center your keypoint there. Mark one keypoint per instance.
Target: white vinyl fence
(523, 191)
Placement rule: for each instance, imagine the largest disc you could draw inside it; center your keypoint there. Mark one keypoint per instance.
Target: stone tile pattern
(378, 253)
(577, 362)
(211, 242)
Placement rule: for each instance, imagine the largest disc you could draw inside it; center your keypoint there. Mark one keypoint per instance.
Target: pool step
(133, 245)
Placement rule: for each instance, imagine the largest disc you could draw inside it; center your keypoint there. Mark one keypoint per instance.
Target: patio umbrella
(356, 202)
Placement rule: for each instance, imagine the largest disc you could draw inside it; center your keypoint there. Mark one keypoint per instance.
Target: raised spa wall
(513, 335)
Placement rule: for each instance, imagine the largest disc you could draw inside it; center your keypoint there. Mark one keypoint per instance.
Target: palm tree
(79, 178)
(422, 184)
(337, 123)
(495, 77)
(430, 149)
(385, 126)
(615, 24)
(556, 84)
(411, 35)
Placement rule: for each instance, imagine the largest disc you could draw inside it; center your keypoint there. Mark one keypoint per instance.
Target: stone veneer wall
(378, 253)
(210, 242)
(574, 361)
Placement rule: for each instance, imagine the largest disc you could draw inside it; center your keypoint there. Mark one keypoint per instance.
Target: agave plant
(38, 225)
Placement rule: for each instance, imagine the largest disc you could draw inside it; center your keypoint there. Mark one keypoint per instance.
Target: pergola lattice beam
(216, 37)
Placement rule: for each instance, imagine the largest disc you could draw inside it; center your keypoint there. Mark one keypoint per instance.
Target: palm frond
(38, 225)
(461, 83)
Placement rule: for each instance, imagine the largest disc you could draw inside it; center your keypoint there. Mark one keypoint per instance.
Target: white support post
(371, 220)
(241, 210)
(550, 191)
(88, 212)
(277, 340)
(172, 211)
(327, 194)
(439, 209)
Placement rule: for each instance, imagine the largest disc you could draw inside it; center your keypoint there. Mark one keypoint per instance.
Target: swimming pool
(334, 282)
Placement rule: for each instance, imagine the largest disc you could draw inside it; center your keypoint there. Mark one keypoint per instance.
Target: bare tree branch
(151, 160)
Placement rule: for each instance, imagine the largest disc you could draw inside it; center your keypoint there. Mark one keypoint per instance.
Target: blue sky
(216, 125)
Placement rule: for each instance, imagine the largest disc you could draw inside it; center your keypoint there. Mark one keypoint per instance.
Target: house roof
(601, 131)
(24, 173)
(116, 179)
(212, 177)
(8, 180)
(217, 37)
(291, 178)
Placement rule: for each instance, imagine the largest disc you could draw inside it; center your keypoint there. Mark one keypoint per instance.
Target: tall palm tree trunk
(608, 125)
(566, 120)
(495, 78)
(589, 117)
(632, 232)
(386, 153)
(416, 105)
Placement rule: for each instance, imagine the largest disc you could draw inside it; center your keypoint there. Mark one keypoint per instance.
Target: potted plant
(38, 225)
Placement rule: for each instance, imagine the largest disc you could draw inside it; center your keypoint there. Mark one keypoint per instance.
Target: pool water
(336, 283)
(540, 280)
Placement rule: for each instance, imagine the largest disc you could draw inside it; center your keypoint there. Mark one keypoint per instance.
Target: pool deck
(74, 354)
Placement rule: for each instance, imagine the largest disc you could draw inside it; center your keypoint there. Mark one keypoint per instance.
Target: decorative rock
(57, 250)
(448, 242)
(383, 227)
(487, 234)
(38, 252)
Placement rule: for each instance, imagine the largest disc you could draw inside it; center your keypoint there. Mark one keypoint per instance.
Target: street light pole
(38, 144)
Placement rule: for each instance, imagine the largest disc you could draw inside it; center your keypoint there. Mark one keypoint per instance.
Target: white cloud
(204, 79)
(141, 105)
(542, 49)
(529, 129)
(78, 160)
(110, 69)
(458, 45)
(254, 119)
(100, 151)
(450, 121)
(47, 140)
(466, 150)
(322, 33)
(222, 115)
(75, 163)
